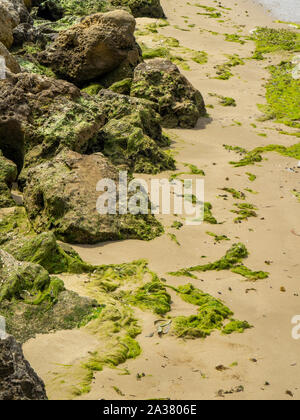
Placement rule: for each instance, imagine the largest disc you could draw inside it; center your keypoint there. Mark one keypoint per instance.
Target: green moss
(123, 86)
(270, 40)
(93, 89)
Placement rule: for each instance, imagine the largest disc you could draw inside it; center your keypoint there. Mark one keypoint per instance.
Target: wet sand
(266, 354)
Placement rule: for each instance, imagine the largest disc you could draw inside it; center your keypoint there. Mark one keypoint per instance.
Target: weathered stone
(61, 196)
(142, 8)
(97, 45)
(132, 137)
(8, 175)
(177, 101)
(12, 13)
(18, 381)
(10, 61)
(40, 116)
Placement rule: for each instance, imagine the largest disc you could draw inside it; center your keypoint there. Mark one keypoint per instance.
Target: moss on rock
(177, 102)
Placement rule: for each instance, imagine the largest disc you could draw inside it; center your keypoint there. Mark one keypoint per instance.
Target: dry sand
(179, 369)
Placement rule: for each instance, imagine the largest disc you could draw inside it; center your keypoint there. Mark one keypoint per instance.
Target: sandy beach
(264, 361)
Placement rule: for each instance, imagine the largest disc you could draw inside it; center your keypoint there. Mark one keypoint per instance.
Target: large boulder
(61, 196)
(177, 101)
(18, 381)
(142, 8)
(12, 13)
(97, 45)
(10, 62)
(8, 175)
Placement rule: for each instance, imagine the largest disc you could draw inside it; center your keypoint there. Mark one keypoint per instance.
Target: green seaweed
(249, 274)
(218, 238)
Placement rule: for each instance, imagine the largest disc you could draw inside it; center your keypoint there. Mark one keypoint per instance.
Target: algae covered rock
(8, 175)
(142, 8)
(18, 380)
(177, 101)
(39, 116)
(44, 250)
(18, 278)
(99, 44)
(61, 196)
(132, 137)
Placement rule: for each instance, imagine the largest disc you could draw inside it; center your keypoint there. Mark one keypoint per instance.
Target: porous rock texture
(18, 381)
(12, 14)
(61, 196)
(8, 174)
(177, 101)
(99, 44)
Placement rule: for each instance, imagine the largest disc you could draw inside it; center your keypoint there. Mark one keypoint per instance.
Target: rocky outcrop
(132, 137)
(8, 175)
(40, 116)
(61, 196)
(97, 45)
(177, 101)
(12, 13)
(142, 8)
(18, 381)
(10, 62)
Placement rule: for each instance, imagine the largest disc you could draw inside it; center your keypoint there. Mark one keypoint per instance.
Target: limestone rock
(99, 44)
(177, 101)
(61, 196)
(142, 8)
(18, 381)
(8, 174)
(12, 13)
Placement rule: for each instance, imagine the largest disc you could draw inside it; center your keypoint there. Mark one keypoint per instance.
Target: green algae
(233, 256)
(177, 225)
(173, 238)
(296, 194)
(244, 212)
(152, 296)
(208, 216)
(249, 274)
(251, 176)
(270, 40)
(283, 96)
(236, 326)
(218, 238)
(224, 70)
(235, 194)
(234, 38)
(122, 87)
(212, 314)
